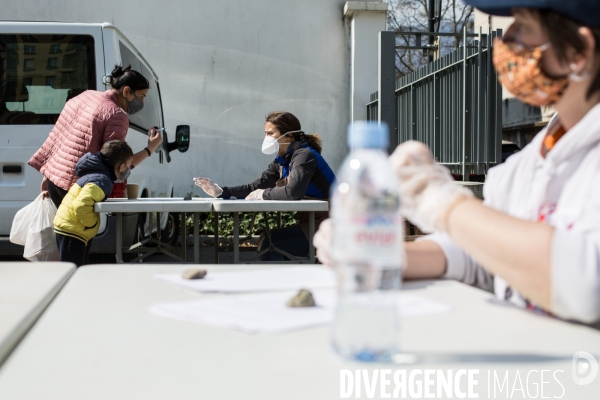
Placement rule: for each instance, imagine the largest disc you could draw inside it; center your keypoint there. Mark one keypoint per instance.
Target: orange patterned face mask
(520, 72)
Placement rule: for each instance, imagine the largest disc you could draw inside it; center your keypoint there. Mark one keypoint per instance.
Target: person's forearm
(516, 250)
(424, 260)
(239, 192)
(139, 157)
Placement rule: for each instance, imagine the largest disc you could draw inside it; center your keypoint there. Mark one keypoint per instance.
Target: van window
(39, 73)
(150, 114)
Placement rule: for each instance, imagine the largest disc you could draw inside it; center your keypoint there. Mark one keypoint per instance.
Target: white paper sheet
(266, 280)
(268, 313)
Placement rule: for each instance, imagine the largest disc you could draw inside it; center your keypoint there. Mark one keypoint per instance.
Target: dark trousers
(290, 239)
(56, 194)
(72, 250)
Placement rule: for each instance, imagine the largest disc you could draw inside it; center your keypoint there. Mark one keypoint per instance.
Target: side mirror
(182, 139)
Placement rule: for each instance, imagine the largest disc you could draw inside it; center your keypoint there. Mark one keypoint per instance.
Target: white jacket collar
(582, 137)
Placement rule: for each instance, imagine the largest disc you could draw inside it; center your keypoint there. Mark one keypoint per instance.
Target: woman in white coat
(536, 237)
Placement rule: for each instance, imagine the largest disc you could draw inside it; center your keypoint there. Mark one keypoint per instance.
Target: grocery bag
(34, 224)
(22, 222)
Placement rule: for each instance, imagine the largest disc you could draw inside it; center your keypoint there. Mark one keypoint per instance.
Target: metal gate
(452, 104)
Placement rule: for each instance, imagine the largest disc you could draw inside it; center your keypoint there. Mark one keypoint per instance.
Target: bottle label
(370, 238)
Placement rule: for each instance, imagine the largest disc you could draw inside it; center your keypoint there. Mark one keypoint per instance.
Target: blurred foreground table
(25, 290)
(98, 341)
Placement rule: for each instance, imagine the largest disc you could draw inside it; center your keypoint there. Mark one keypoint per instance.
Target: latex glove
(427, 190)
(323, 241)
(154, 140)
(209, 187)
(256, 195)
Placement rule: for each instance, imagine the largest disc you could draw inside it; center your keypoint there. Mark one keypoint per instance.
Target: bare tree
(413, 16)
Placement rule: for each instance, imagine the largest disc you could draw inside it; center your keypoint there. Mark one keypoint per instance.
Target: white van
(44, 64)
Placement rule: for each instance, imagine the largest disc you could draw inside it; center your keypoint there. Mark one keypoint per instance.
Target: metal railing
(452, 104)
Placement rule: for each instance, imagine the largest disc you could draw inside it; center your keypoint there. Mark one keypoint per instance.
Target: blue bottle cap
(367, 134)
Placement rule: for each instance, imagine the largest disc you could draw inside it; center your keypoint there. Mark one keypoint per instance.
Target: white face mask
(270, 145)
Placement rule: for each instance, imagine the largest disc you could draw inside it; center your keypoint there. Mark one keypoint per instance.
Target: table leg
(196, 238)
(183, 237)
(216, 234)
(236, 238)
(119, 235)
(311, 233)
(150, 224)
(158, 230)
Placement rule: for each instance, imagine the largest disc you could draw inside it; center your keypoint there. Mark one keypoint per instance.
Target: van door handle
(12, 169)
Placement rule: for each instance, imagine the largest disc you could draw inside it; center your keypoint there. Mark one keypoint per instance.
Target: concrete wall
(223, 65)
(365, 20)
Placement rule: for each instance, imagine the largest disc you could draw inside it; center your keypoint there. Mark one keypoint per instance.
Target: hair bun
(119, 71)
(121, 77)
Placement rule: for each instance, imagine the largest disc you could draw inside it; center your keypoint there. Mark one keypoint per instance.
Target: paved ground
(207, 256)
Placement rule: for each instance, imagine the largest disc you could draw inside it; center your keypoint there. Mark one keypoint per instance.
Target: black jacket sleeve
(302, 168)
(268, 179)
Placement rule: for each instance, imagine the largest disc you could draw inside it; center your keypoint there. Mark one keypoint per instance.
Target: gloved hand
(256, 195)
(209, 187)
(323, 241)
(427, 190)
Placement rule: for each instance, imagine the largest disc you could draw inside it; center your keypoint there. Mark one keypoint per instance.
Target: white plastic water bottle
(367, 246)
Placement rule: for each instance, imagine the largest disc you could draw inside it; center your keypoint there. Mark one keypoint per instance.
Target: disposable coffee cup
(132, 191)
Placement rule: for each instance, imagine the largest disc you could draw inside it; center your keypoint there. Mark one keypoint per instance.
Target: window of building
(52, 62)
(29, 50)
(51, 81)
(55, 48)
(28, 64)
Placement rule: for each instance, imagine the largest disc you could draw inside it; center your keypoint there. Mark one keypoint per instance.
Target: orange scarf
(551, 139)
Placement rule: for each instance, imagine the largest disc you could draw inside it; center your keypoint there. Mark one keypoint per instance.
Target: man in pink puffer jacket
(85, 124)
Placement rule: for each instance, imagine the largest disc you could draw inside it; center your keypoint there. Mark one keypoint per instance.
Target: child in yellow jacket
(76, 223)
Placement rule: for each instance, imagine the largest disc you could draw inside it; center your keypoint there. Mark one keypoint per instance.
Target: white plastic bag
(22, 222)
(33, 227)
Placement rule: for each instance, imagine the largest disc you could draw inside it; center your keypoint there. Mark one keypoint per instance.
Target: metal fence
(453, 104)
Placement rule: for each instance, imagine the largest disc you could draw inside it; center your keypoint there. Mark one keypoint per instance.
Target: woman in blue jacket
(298, 171)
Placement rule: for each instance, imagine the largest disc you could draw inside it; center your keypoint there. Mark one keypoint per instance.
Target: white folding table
(157, 205)
(97, 340)
(196, 206)
(266, 206)
(25, 291)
